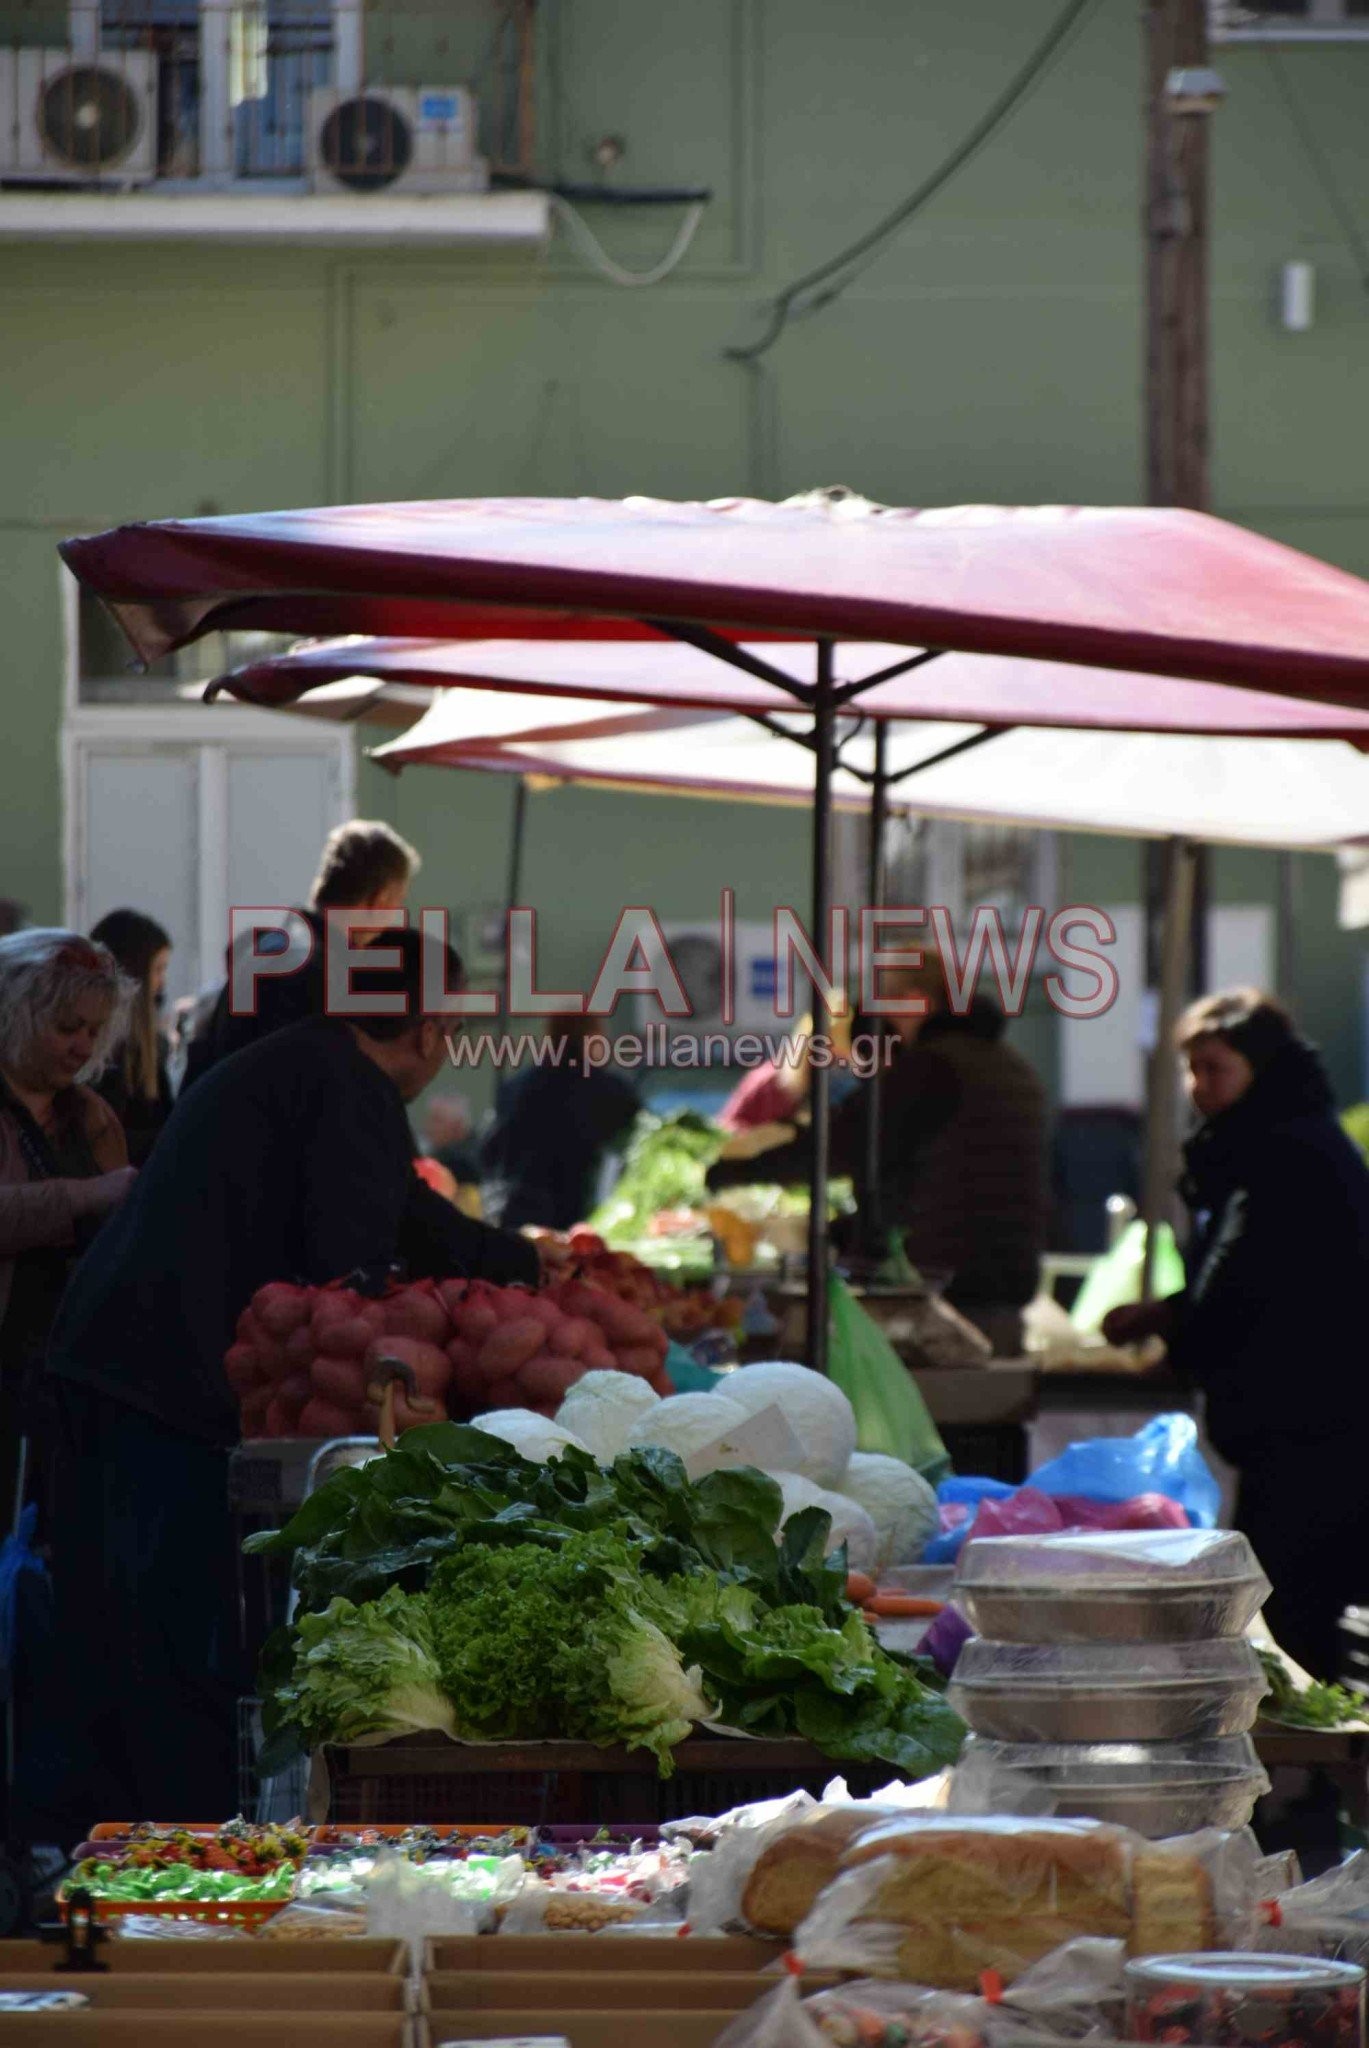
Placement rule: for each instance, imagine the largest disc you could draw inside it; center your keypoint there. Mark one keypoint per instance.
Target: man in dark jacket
(292, 1159)
(365, 866)
(554, 1127)
(1271, 1323)
(962, 1155)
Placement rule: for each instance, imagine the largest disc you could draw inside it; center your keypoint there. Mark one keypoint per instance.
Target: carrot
(860, 1588)
(903, 1607)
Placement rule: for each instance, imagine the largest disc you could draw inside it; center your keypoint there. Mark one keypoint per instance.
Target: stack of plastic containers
(1111, 1677)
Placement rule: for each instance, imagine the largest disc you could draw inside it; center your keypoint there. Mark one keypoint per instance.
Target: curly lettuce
(358, 1674)
(537, 1641)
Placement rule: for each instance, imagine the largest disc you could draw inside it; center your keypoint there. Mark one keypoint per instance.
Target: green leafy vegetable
(535, 1642)
(1313, 1706)
(665, 1167)
(356, 1674)
(453, 1584)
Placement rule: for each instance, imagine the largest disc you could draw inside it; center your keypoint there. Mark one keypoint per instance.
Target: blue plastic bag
(1161, 1458)
(17, 1557)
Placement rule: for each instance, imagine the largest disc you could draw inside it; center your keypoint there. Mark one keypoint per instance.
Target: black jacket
(143, 1117)
(542, 1156)
(1272, 1322)
(282, 1000)
(962, 1157)
(291, 1161)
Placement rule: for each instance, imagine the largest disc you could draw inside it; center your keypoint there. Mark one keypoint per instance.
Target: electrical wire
(594, 252)
(783, 308)
(1356, 240)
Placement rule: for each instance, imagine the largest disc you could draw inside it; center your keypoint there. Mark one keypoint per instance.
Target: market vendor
(962, 1154)
(554, 1127)
(291, 1160)
(365, 865)
(776, 1091)
(1271, 1323)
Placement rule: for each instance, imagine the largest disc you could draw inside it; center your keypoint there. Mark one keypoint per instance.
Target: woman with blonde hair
(136, 1084)
(63, 1161)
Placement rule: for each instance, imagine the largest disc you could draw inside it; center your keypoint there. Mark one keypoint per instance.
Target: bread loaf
(999, 1893)
(788, 1875)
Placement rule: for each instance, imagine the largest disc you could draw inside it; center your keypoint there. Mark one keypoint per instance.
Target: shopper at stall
(1271, 1323)
(63, 1162)
(554, 1127)
(962, 1152)
(776, 1090)
(136, 1084)
(292, 1159)
(365, 866)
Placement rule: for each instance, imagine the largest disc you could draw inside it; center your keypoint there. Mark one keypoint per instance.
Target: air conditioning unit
(697, 954)
(78, 120)
(394, 139)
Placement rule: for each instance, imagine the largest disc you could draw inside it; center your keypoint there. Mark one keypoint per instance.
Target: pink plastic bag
(1030, 1513)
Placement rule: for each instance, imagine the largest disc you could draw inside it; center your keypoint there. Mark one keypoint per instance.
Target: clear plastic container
(1156, 1788)
(1130, 1586)
(1108, 1692)
(1246, 2001)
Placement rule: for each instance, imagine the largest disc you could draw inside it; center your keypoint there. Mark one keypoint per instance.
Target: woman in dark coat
(1272, 1322)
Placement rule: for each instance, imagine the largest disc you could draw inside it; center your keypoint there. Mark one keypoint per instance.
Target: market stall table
(420, 1779)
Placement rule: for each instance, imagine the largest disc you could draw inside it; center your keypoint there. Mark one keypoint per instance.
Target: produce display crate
(568, 1990)
(420, 1780)
(185, 1956)
(227, 1991)
(264, 2028)
(248, 1914)
(645, 2028)
(632, 1955)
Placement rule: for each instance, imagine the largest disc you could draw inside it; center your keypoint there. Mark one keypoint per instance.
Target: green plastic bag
(891, 1415)
(1115, 1278)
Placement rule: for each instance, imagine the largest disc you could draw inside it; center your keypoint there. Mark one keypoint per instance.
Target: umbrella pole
(515, 881)
(1162, 1094)
(820, 1093)
(873, 1231)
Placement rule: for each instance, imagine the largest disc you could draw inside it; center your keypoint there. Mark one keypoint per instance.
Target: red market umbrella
(964, 689)
(1165, 591)
(1161, 591)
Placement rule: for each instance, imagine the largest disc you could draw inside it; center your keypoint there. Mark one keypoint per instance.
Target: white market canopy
(1311, 794)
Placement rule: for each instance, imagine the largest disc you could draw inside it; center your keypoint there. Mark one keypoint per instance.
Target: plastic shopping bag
(1161, 1458)
(891, 1415)
(19, 1562)
(1116, 1277)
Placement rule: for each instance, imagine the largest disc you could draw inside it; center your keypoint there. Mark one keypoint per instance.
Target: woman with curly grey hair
(63, 1160)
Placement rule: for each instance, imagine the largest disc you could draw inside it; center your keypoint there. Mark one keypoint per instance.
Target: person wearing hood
(962, 1152)
(1271, 1322)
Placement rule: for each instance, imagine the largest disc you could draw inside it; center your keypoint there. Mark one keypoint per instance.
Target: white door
(183, 830)
(1102, 1059)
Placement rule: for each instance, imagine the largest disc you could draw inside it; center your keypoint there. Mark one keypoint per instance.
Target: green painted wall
(991, 352)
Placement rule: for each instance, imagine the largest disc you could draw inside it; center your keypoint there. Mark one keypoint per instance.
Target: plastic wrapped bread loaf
(938, 1902)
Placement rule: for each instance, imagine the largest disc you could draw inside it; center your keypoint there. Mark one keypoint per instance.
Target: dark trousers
(1305, 1509)
(132, 1706)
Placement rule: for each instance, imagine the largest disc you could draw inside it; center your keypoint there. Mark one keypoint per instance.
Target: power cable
(594, 252)
(783, 307)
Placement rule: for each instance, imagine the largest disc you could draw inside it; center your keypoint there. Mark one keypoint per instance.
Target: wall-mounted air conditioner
(696, 952)
(78, 120)
(394, 139)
